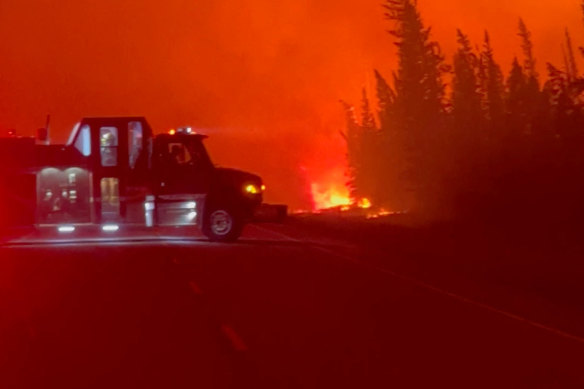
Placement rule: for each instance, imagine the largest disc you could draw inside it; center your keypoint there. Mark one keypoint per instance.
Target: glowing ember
(330, 197)
(364, 204)
(382, 212)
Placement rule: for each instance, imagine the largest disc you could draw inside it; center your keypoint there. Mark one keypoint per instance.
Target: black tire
(222, 224)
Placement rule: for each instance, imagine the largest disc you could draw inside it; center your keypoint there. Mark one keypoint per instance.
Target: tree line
(464, 137)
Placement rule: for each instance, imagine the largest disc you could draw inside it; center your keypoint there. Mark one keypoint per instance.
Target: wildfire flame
(330, 197)
(331, 192)
(364, 203)
(336, 196)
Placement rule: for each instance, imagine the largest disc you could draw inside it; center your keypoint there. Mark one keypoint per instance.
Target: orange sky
(262, 77)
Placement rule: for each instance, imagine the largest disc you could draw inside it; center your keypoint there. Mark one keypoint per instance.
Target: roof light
(172, 131)
(110, 228)
(66, 229)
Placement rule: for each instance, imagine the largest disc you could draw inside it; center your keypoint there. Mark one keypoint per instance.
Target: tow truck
(114, 173)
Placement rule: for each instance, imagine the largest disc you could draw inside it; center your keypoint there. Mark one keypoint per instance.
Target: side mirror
(43, 135)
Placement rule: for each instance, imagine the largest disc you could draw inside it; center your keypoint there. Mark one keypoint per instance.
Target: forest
(461, 137)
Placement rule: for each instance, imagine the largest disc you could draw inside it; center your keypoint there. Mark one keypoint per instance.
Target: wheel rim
(221, 222)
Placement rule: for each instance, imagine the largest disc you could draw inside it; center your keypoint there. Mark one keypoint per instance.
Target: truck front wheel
(221, 224)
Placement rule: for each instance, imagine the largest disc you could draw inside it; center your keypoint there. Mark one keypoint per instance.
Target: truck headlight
(252, 189)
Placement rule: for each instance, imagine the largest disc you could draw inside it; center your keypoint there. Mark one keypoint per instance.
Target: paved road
(269, 312)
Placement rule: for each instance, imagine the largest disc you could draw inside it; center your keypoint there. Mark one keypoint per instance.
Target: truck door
(125, 149)
(182, 180)
(182, 168)
(109, 173)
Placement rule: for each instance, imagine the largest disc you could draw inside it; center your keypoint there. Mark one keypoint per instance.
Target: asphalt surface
(272, 311)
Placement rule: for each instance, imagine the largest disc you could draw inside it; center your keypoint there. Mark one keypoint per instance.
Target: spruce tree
(527, 47)
(352, 138)
(571, 66)
(466, 100)
(532, 93)
(367, 118)
(516, 100)
(385, 101)
(492, 88)
(390, 152)
(368, 177)
(419, 103)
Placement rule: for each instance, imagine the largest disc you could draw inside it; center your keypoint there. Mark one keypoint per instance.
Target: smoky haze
(263, 78)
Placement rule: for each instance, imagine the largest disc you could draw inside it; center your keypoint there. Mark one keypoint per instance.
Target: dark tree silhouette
(370, 152)
(570, 59)
(419, 102)
(466, 99)
(386, 101)
(499, 143)
(389, 170)
(527, 47)
(353, 140)
(491, 81)
(516, 104)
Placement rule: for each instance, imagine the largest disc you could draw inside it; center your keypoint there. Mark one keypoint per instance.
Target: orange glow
(261, 75)
(330, 196)
(364, 204)
(382, 212)
(172, 132)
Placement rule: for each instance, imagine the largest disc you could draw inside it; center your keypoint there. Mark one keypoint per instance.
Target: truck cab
(114, 172)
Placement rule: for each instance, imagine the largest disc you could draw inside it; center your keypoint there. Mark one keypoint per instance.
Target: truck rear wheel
(221, 224)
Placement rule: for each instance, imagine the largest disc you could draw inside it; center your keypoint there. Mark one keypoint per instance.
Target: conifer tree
(527, 47)
(516, 100)
(385, 101)
(390, 157)
(492, 88)
(505, 134)
(466, 100)
(571, 66)
(419, 102)
(531, 96)
(367, 118)
(467, 125)
(352, 138)
(370, 146)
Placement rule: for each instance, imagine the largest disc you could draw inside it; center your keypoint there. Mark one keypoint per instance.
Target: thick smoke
(263, 77)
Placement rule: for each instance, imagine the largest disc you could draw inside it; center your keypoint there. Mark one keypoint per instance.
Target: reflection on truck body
(63, 195)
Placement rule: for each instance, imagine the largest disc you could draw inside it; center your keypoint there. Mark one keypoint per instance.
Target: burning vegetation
(486, 141)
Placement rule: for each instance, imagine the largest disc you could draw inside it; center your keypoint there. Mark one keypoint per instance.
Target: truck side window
(108, 139)
(135, 136)
(179, 154)
(83, 141)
